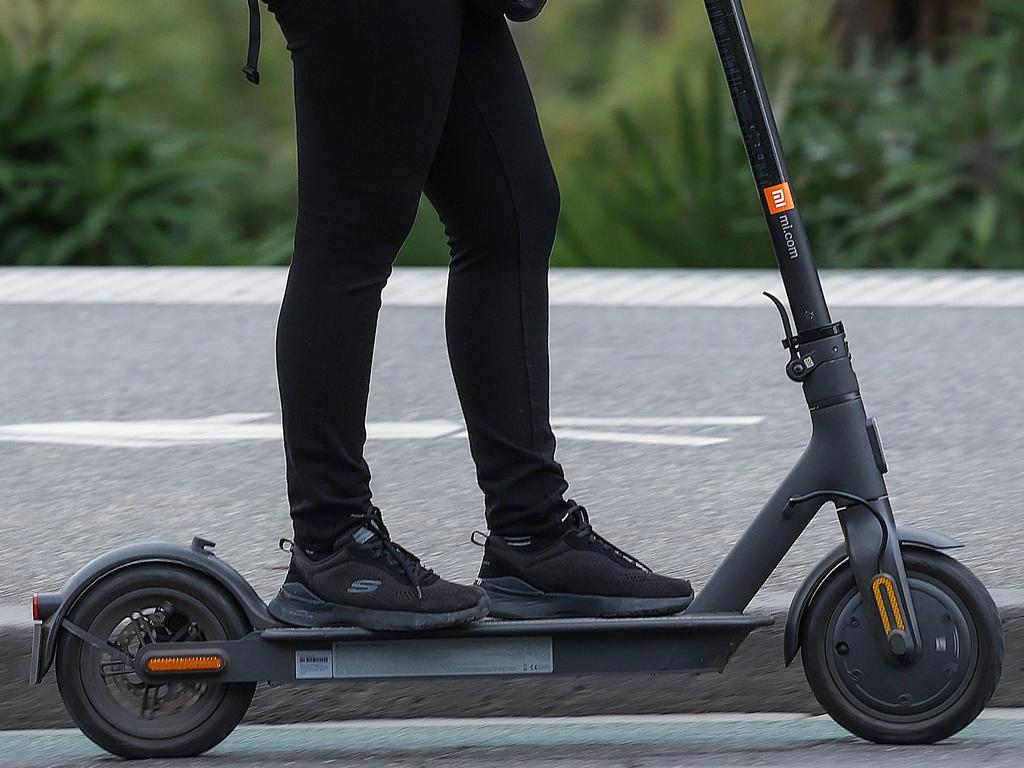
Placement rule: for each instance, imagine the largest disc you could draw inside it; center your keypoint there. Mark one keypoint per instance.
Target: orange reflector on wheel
(885, 598)
(166, 664)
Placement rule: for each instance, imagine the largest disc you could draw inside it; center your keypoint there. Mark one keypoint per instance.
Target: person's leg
(493, 185)
(373, 82)
(494, 188)
(372, 86)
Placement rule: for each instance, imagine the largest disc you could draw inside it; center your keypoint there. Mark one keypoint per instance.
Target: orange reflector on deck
(164, 664)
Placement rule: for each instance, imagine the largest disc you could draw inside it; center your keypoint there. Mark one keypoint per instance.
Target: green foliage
(79, 185)
(898, 161)
(684, 196)
(593, 25)
(918, 162)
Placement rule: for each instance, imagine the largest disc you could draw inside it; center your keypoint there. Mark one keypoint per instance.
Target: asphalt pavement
(944, 384)
(123, 420)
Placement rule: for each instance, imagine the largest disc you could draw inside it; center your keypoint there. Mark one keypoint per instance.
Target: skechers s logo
(364, 586)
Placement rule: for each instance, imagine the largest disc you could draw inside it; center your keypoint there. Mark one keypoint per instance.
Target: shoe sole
(513, 598)
(296, 605)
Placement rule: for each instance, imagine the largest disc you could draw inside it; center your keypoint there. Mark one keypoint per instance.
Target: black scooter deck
(678, 644)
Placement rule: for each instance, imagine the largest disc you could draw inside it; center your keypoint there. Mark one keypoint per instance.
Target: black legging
(395, 97)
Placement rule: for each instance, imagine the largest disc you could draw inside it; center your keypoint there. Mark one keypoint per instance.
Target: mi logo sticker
(780, 198)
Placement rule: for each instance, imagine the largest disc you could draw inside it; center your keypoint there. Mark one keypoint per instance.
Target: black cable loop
(857, 501)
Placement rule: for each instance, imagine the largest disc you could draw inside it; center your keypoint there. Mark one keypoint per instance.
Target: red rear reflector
(35, 607)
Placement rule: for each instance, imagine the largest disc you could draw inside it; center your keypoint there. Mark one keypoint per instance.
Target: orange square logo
(780, 198)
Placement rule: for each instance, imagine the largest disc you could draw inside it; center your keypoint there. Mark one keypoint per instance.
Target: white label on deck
(313, 665)
(456, 657)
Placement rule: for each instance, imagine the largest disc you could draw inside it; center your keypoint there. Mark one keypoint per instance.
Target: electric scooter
(158, 649)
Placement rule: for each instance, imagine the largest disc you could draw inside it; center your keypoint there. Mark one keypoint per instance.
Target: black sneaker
(574, 573)
(369, 581)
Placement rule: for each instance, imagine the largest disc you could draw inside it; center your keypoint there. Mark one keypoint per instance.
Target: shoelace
(394, 554)
(578, 515)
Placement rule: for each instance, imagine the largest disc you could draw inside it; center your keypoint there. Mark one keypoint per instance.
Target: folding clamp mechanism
(798, 368)
(800, 365)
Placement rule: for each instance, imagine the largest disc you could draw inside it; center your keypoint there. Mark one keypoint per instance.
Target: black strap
(251, 68)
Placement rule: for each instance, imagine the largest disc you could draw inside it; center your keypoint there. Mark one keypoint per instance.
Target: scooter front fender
(195, 557)
(908, 537)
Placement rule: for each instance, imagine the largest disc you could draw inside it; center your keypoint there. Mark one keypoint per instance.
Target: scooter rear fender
(195, 557)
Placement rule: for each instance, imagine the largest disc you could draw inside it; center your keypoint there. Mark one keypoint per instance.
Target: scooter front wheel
(927, 700)
(114, 707)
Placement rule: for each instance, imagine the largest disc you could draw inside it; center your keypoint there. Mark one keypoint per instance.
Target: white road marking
(247, 427)
(637, 439)
(226, 428)
(684, 421)
(426, 287)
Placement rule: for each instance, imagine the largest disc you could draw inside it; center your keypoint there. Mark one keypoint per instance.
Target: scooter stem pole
(764, 149)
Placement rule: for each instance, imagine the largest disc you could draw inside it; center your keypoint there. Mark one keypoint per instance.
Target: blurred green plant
(902, 24)
(918, 161)
(900, 160)
(685, 200)
(80, 185)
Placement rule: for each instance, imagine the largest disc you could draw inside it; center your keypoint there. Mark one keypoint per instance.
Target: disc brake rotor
(135, 631)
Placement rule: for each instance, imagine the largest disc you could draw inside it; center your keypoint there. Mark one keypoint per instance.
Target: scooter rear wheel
(942, 691)
(114, 707)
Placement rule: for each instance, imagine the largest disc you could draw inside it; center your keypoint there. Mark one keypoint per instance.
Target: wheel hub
(125, 700)
(138, 630)
(916, 690)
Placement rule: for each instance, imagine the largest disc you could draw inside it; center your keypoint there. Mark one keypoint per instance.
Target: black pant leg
(373, 82)
(494, 187)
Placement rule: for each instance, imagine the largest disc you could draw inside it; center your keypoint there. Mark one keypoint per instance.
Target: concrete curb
(427, 287)
(755, 681)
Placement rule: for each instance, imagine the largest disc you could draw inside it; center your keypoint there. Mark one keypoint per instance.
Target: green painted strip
(535, 734)
(418, 735)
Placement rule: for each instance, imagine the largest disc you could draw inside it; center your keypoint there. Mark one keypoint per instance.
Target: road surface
(786, 741)
(675, 421)
(142, 405)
